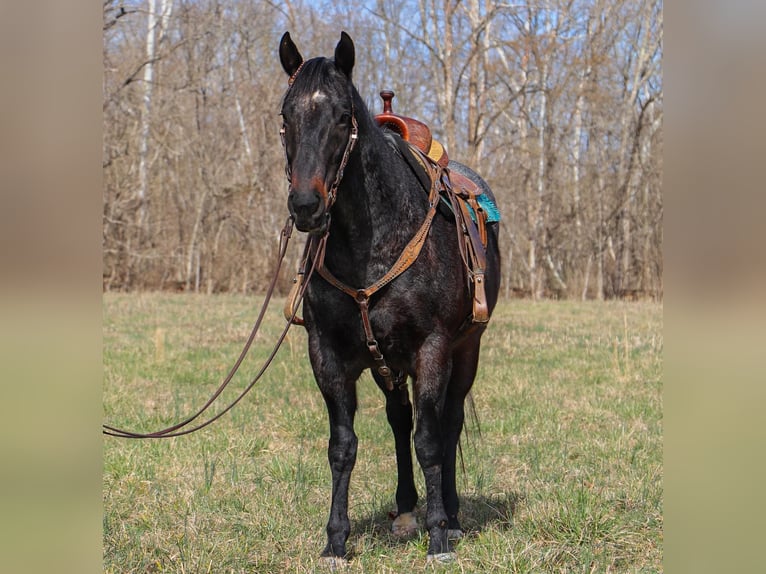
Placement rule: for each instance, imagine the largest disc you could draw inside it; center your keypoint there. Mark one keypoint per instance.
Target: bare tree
(558, 103)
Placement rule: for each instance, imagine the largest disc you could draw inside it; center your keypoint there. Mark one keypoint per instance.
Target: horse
(350, 185)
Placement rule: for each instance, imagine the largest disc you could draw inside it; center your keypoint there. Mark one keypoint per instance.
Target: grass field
(565, 474)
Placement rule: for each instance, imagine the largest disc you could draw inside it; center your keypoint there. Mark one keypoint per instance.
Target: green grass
(565, 474)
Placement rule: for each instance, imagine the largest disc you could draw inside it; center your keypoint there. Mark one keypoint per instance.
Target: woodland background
(557, 103)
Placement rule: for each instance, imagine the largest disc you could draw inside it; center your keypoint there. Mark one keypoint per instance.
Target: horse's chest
(395, 322)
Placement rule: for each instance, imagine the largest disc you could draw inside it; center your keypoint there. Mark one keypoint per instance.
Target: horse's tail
(471, 429)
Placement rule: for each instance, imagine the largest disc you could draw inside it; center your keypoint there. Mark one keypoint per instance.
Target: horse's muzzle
(308, 210)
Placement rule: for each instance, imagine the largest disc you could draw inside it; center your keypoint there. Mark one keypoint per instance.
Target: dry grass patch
(565, 475)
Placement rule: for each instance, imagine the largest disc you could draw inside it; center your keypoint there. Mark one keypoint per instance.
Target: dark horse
(370, 202)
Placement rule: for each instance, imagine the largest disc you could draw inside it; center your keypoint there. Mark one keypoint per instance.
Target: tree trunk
(146, 100)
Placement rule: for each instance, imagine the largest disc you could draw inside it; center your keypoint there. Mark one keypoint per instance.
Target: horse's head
(318, 130)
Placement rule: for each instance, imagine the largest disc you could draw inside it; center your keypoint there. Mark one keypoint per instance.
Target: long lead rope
(179, 429)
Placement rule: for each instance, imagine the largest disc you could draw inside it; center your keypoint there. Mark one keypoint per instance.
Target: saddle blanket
(485, 202)
(489, 207)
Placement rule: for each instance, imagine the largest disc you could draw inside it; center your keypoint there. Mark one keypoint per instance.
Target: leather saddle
(419, 134)
(460, 192)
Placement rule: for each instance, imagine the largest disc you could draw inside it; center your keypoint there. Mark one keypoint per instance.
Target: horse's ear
(289, 55)
(344, 54)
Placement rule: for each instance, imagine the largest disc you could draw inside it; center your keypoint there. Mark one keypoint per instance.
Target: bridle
(353, 136)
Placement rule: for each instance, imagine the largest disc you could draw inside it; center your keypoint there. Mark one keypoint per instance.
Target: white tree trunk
(156, 25)
(146, 102)
(542, 118)
(240, 116)
(577, 132)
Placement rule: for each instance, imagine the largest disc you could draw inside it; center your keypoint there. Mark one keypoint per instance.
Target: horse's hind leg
(399, 414)
(464, 363)
(433, 371)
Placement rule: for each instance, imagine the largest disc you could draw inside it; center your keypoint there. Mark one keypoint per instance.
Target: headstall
(353, 136)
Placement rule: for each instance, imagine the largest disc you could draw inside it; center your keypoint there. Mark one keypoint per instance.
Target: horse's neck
(379, 207)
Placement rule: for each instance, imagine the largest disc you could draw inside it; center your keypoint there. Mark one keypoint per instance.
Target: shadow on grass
(477, 513)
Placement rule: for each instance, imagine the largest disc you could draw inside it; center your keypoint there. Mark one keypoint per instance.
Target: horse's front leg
(340, 397)
(433, 372)
(337, 383)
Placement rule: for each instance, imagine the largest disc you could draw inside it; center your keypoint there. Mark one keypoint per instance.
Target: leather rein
(183, 427)
(314, 252)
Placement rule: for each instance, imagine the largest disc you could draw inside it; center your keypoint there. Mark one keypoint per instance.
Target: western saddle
(459, 192)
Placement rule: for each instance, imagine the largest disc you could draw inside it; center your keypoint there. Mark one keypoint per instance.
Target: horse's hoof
(441, 558)
(334, 563)
(455, 534)
(405, 525)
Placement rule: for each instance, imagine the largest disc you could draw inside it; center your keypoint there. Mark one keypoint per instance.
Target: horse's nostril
(305, 203)
(307, 209)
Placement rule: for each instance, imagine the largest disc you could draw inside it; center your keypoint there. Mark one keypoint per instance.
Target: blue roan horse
(350, 186)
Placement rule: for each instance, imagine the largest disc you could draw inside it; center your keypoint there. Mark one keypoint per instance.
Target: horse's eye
(344, 119)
